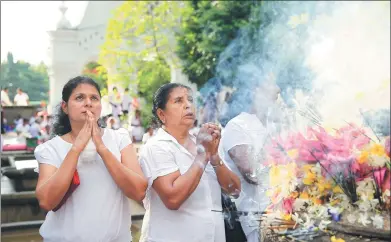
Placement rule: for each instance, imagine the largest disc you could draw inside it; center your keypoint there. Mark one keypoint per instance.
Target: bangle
(219, 164)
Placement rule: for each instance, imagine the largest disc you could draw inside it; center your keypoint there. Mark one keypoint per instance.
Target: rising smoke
(333, 55)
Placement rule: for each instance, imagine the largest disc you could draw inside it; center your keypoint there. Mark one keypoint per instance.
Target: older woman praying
(185, 174)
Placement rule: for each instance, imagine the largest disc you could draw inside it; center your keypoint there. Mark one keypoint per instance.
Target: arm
(175, 188)
(229, 181)
(53, 183)
(241, 156)
(127, 174)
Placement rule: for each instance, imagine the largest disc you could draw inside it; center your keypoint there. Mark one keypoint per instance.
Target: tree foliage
(140, 30)
(97, 72)
(154, 74)
(206, 31)
(33, 79)
(140, 44)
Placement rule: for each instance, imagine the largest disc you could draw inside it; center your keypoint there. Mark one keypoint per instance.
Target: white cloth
(34, 129)
(137, 129)
(21, 99)
(246, 129)
(97, 210)
(126, 102)
(146, 137)
(5, 100)
(193, 221)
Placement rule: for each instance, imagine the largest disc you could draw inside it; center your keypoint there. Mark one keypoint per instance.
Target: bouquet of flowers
(320, 176)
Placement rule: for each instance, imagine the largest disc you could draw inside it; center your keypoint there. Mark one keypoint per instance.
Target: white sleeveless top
(97, 211)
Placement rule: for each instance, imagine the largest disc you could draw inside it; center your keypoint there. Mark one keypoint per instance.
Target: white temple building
(72, 47)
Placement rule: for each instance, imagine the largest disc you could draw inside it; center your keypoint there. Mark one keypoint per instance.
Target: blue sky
(24, 26)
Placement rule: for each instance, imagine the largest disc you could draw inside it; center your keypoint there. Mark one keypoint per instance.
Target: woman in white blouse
(185, 174)
(98, 209)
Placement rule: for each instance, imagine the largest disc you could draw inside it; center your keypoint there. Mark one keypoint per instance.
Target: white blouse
(97, 210)
(194, 221)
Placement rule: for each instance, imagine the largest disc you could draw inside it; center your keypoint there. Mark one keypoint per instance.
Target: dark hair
(61, 123)
(160, 98)
(126, 89)
(115, 88)
(5, 88)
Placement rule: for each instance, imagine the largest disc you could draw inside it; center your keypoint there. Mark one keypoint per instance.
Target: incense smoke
(332, 55)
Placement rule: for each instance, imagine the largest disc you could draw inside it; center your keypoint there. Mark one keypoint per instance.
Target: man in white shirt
(5, 100)
(126, 102)
(241, 147)
(147, 135)
(21, 98)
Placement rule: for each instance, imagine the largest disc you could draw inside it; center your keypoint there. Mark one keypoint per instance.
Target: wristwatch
(220, 163)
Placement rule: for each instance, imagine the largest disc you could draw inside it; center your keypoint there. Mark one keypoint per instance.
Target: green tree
(97, 72)
(33, 79)
(206, 31)
(140, 39)
(154, 74)
(141, 30)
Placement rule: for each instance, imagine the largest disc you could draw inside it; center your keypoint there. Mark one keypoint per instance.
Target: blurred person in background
(35, 129)
(23, 128)
(137, 129)
(115, 100)
(148, 135)
(126, 102)
(21, 98)
(242, 148)
(5, 100)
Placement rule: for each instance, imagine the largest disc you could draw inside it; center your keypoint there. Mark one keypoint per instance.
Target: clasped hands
(90, 130)
(209, 137)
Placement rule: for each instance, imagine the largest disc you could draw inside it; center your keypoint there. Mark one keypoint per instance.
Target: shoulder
(48, 148)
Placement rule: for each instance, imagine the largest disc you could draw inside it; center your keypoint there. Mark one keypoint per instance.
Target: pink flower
(387, 146)
(287, 204)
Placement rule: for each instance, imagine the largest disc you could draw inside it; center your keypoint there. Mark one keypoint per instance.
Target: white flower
(308, 223)
(297, 219)
(364, 206)
(378, 221)
(323, 212)
(298, 204)
(363, 219)
(374, 203)
(351, 218)
(377, 161)
(323, 224)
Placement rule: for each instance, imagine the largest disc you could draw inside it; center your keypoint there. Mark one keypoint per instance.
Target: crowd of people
(183, 173)
(37, 126)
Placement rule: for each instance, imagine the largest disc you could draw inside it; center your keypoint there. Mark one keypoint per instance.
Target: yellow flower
(378, 149)
(295, 194)
(337, 189)
(304, 195)
(274, 175)
(316, 201)
(334, 202)
(335, 239)
(287, 217)
(309, 178)
(363, 157)
(307, 168)
(292, 153)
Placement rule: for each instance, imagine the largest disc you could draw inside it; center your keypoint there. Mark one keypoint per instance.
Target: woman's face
(84, 97)
(180, 110)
